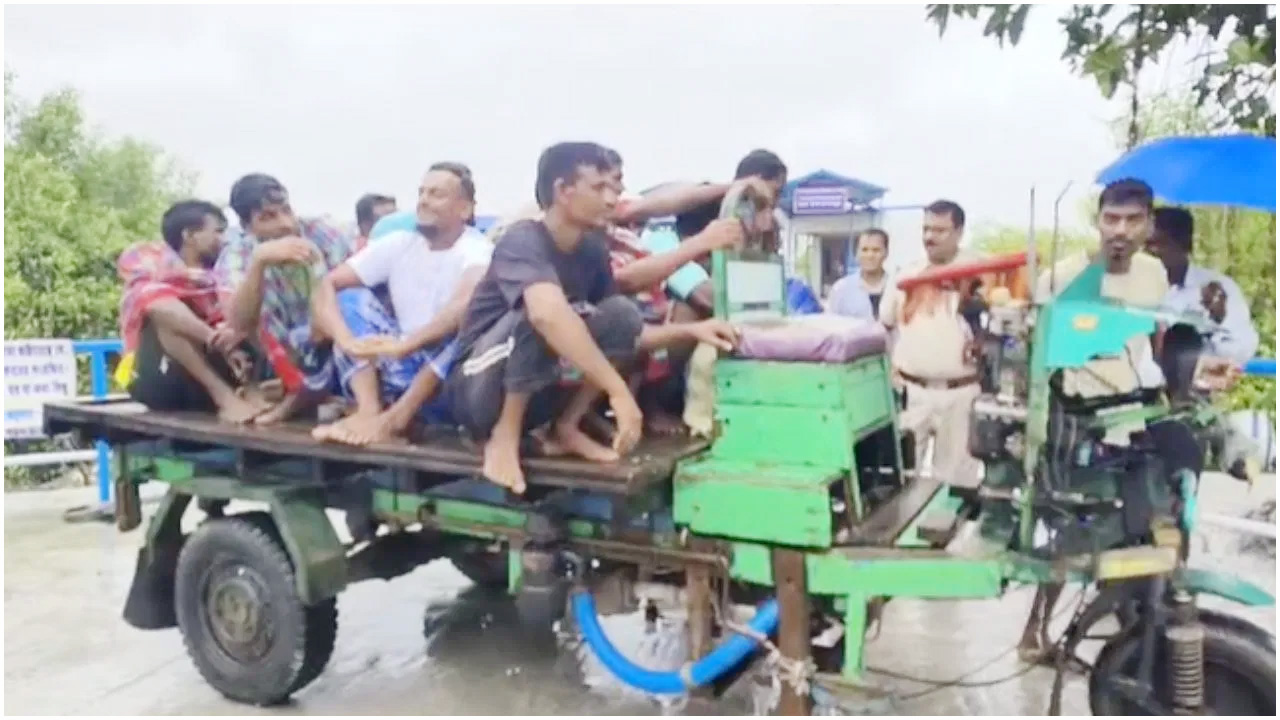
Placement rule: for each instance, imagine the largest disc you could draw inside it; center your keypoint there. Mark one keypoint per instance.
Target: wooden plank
(793, 623)
(886, 523)
(438, 450)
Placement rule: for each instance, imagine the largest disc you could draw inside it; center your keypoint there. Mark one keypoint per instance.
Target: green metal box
(782, 504)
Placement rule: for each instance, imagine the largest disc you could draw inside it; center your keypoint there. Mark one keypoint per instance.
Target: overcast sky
(337, 101)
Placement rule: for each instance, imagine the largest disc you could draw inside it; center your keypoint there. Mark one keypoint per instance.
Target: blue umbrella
(1237, 170)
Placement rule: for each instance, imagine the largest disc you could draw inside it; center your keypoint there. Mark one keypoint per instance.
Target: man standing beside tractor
(932, 357)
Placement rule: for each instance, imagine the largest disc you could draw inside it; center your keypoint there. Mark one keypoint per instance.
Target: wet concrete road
(427, 643)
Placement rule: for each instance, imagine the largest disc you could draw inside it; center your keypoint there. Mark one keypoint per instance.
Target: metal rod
(1053, 253)
(1031, 245)
(50, 458)
(1244, 525)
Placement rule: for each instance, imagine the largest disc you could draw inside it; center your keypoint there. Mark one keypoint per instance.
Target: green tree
(72, 202)
(997, 239)
(1113, 43)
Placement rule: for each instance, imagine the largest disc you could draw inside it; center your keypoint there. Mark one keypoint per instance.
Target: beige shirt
(930, 346)
(1145, 286)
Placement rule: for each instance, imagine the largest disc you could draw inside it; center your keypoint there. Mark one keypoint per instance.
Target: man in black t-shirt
(548, 294)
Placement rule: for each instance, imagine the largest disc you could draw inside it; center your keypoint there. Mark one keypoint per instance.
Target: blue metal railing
(100, 385)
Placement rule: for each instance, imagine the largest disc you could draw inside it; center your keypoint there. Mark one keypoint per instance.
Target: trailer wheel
(487, 570)
(242, 621)
(1239, 672)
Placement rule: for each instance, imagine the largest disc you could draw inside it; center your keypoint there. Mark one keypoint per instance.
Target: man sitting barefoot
(267, 273)
(185, 357)
(549, 294)
(398, 358)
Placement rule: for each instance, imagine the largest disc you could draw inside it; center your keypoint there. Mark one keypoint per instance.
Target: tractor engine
(998, 418)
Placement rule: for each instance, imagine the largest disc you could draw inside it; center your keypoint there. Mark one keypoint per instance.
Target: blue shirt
(851, 298)
(394, 222)
(684, 281)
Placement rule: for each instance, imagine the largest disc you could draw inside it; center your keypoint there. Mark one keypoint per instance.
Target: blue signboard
(820, 201)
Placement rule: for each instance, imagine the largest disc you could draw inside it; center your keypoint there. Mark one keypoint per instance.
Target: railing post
(98, 377)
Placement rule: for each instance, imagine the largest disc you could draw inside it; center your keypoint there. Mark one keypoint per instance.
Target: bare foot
(546, 444)
(663, 424)
(281, 412)
(597, 427)
(255, 396)
(361, 429)
(335, 431)
(579, 443)
(235, 409)
(502, 463)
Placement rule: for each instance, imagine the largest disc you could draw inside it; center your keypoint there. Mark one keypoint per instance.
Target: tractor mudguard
(1230, 587)
(149, 605)
(300, 523)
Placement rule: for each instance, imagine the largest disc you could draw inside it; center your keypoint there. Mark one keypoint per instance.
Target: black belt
(948, 384)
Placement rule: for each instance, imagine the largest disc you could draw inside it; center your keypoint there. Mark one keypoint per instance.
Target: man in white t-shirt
(393, 361)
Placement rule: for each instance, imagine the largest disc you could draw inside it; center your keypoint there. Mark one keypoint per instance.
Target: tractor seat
(811, 338)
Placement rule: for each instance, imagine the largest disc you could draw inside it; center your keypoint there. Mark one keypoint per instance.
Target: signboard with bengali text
(35, 372)
(820, 201)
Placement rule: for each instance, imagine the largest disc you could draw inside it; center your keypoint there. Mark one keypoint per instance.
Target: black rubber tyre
(1239, 668)
(242, 621)
(487, 570)
(322, 619)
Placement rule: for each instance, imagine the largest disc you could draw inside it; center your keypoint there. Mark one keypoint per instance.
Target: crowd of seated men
(570, 311)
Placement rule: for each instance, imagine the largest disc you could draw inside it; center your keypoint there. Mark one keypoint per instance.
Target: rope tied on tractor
(795, 673)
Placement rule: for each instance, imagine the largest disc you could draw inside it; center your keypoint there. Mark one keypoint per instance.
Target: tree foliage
(72, 202)
(1113, 43)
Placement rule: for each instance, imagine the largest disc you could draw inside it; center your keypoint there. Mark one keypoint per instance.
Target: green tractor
(798, 508)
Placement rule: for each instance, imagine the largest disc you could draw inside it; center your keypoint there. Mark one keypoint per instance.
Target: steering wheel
(964, 270)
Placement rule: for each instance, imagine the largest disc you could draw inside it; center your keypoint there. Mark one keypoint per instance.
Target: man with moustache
(932, 354)
(392, 361)
(1125, 224)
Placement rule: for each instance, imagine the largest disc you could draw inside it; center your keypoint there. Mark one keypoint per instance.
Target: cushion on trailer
(813, 338)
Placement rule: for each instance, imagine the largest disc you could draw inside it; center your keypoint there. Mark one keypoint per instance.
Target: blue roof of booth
(860, 191)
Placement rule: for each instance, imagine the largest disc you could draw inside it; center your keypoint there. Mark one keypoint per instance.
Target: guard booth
(824, 211)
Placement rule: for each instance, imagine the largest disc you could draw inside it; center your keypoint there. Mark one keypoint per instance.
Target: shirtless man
(549, 294)
(268, 272)
(398, 360)
(185, 357)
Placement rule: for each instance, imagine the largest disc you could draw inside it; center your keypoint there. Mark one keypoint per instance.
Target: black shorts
(160, 383)
(511, 357)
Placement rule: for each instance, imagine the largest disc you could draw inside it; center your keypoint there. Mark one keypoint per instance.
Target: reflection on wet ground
(430, 643)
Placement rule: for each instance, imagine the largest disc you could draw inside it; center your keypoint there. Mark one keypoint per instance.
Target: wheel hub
(237, 613)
